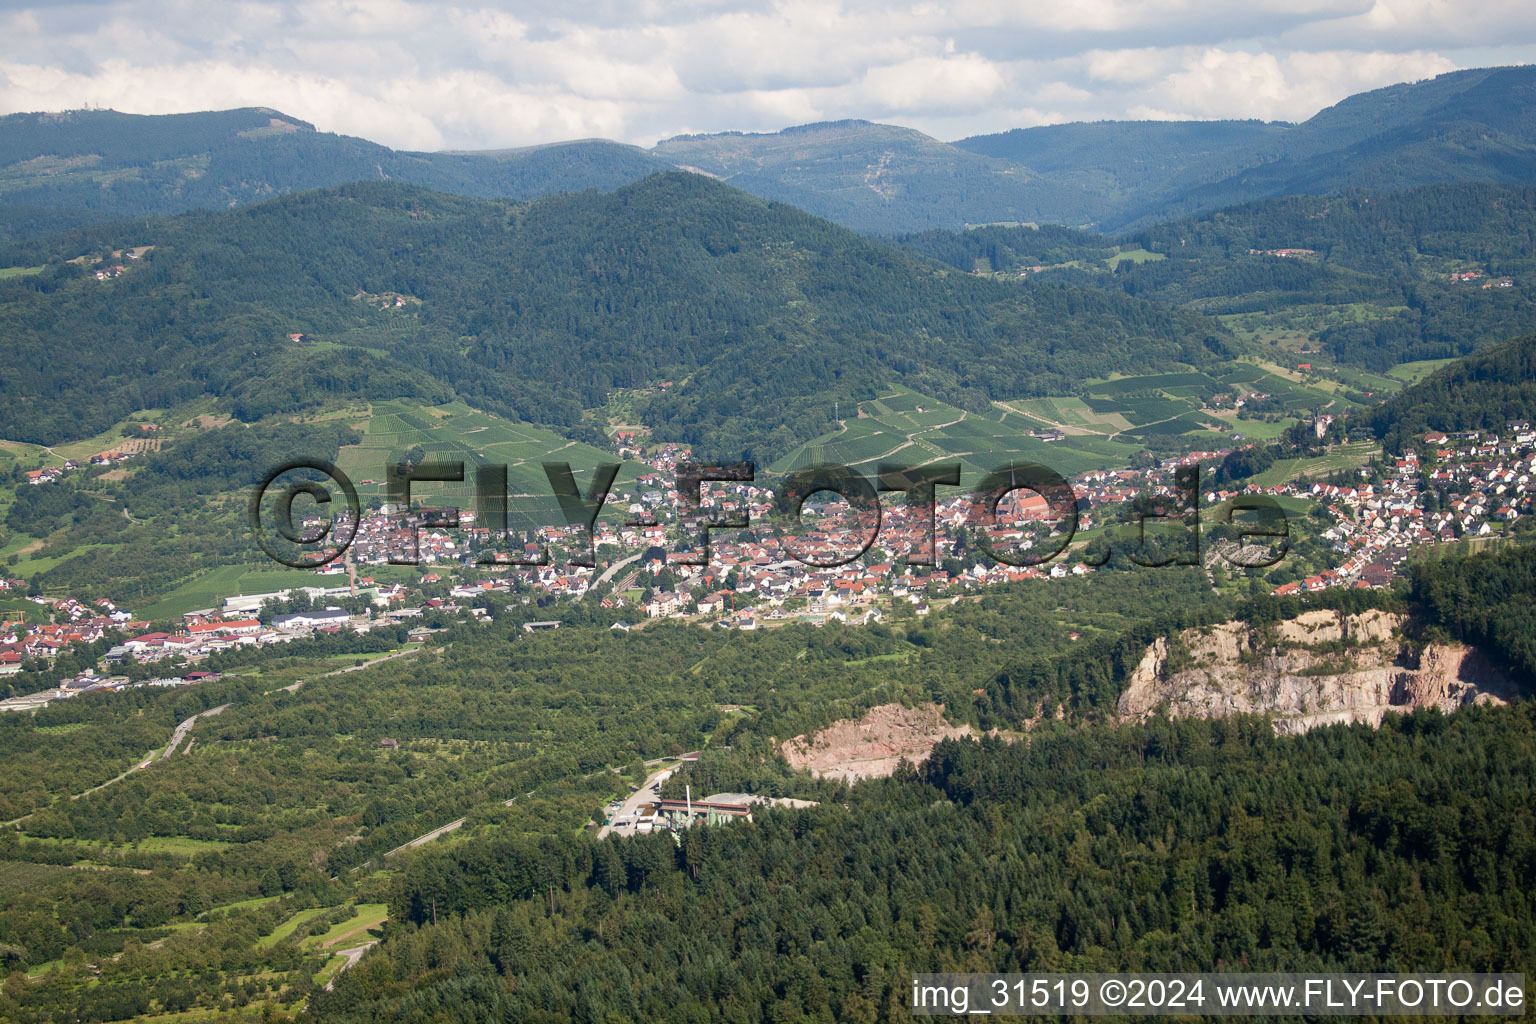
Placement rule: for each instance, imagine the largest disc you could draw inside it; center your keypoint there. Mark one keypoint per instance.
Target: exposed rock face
(1320, 668)
(873, 745)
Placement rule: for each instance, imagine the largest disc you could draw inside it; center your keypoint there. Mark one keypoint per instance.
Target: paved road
(177, 735)
(452, 826)
(353, 955)
(355, 668)
(615, 567)
(638, 796)
(649, 793)
(181, 733)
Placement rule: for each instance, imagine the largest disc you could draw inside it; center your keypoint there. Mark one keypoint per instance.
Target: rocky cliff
(1320, 668)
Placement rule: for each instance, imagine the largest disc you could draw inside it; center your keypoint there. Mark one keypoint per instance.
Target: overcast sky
(481, 74)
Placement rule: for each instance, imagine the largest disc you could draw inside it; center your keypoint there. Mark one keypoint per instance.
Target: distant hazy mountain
(1118, 165)
(100, 164)
(878, 177)
(1475, 125)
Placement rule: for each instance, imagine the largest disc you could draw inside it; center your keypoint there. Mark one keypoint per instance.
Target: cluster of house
(96, 682)
(1283, 253)
(201, 633)
(1480, 480)
(1486, 478)
(48, 474)
(1465, 276)
(751, 577)
(106, 272)
(22, 642)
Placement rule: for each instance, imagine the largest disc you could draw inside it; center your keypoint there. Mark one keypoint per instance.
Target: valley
(1253, 695)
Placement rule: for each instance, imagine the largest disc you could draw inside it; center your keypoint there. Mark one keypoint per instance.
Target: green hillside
(1465, 126)
(1353, 285)
(60, 170)
(1483, 391)
(739, 321)
(878, 178)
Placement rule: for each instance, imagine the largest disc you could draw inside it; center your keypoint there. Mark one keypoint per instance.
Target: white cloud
(491, 73)
(1235, 83)
(934, 83)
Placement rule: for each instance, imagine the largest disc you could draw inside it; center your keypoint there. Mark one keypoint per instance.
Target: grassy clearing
(184, 846)
(209, 589)
(288, 927)
(352, 931)
(1134, 256)
(1258, 430)
(28, 566)
(1412, 373)
(254, 901)
(1345, 456)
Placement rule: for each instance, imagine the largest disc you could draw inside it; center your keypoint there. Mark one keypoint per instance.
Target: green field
(183, 846)
(287, 928)
(209, 589)
(1412, 373)
(1133, 256)
(352, 931)
(912, 429)
(1345, 456)
(460, 433)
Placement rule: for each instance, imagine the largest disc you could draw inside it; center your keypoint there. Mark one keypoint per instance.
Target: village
(650, 563)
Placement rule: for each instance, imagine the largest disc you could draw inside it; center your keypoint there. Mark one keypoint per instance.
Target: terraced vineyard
(458, 432)
(1102, 428)
(912, 429)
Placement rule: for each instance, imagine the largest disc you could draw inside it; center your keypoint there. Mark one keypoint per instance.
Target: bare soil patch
(873, 745)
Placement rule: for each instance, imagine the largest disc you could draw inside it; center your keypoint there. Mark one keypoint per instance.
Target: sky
(477, 75)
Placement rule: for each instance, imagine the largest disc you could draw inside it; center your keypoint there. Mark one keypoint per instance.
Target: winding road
(354, 668)
(353, 955)
(177, 735)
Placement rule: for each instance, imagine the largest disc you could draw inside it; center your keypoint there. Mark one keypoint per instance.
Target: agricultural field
(912, 429)
(1103, 427)
(209, 589)
(458, 432)
(1344, 456)
(1133, 256)
(1412, 373)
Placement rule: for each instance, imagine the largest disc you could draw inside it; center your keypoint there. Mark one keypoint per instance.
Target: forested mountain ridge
(1119, 167)
(1484, 391)
(1474, 125)
(877, 177)
(101, 164)
(741, 320)
(1372, 279)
